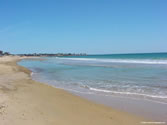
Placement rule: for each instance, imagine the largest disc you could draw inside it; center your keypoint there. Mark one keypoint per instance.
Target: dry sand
(26, 102)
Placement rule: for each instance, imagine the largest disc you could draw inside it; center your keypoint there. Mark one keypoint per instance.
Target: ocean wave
(139, 61)
(128, 93)
(123, 92)
(90, 90)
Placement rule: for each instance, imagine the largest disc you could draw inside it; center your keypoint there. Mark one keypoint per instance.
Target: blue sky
(89, 26)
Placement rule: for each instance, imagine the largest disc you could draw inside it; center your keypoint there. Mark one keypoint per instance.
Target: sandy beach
(27, 102)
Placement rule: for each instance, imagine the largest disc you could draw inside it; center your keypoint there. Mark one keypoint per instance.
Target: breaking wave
(137, 61)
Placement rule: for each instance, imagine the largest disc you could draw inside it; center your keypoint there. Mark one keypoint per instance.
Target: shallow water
(142, 76)
(135, 83)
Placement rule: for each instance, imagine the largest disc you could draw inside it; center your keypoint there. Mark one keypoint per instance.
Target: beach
(24, 101)
(133, 83)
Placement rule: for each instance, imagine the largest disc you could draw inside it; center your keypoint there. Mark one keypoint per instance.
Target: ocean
(139, 76)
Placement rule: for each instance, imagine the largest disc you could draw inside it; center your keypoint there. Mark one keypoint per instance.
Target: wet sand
(27, 102)
(154, 111)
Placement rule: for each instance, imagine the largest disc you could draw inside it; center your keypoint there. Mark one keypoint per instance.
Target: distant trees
(43, 54)
(1, 52)
(52, 54)
(4, 53)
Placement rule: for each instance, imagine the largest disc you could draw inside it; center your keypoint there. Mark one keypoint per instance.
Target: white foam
(140, 61)
(128, 93)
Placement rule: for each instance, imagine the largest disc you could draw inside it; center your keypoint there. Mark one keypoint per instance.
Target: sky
(83, 26)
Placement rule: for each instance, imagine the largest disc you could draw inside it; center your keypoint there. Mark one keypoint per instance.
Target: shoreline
(149, 109)
(37, 103)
